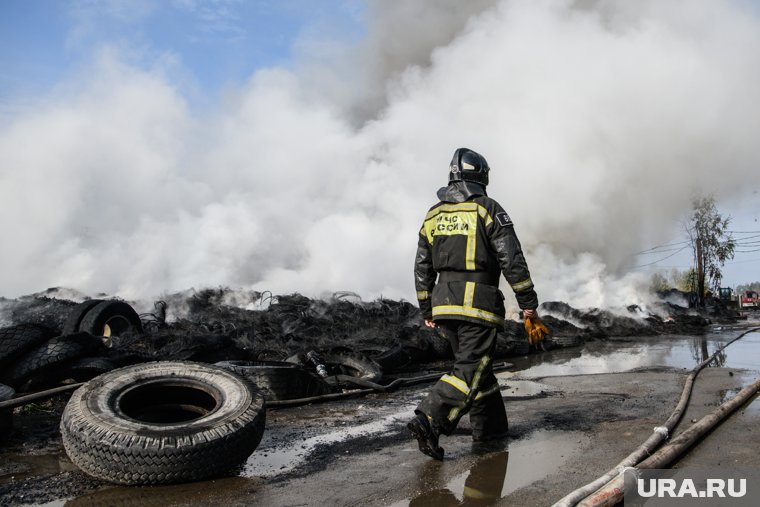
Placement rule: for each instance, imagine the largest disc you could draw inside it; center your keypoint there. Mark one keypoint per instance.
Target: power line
(661, 251)
(654, 248)
(660, 260)
(748, 237)
(744, 261)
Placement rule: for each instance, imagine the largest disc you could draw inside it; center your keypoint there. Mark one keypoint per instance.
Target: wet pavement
(574, 413)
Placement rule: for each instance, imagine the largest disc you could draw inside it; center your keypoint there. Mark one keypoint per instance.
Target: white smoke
(600, 119)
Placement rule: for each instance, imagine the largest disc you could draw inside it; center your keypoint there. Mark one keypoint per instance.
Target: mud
(574, 413)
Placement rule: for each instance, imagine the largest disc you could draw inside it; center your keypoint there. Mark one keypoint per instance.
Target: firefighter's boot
(426, 435)
(488, 418)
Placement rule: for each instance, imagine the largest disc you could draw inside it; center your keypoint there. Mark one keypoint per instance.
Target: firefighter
(466, 241)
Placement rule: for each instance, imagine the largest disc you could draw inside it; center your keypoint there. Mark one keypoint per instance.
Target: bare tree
(711, 244)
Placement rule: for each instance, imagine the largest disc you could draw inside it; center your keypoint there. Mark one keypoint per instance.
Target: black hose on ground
(368, 388)
(645, 450)
(29, 398)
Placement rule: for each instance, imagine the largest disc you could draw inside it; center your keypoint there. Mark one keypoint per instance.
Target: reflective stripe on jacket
(478, 237)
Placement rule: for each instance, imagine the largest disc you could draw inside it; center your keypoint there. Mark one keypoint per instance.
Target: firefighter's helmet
(468, 165)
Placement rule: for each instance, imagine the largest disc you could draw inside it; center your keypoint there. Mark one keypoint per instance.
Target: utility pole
(700, 271)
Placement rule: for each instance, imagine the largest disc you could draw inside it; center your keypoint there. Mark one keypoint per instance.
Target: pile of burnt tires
(34, 356)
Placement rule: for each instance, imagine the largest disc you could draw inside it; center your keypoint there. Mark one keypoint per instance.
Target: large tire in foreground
(163, 422)
(279, 380)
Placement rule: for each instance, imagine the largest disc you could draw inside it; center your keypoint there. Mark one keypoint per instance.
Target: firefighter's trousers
(471, 386)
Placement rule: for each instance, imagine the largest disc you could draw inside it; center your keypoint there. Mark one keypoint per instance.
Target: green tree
(711, 244)
(658, 283)
(683, 280)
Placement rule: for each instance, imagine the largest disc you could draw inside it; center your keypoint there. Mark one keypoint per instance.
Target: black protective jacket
(466, 241)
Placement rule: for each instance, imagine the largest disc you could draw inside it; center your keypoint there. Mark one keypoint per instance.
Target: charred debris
(222, 324)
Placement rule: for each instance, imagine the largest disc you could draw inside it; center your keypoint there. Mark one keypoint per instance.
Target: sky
(155, 146)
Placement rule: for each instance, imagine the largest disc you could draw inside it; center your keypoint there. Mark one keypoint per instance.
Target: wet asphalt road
(574, 413)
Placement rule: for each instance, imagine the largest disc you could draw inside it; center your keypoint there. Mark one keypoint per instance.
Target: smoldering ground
(600, 120)
(223, 324)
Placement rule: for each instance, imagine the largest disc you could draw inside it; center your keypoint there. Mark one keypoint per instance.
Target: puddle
(753, 408)
(675, 352)
(275, 461)
(519, 389)
(18, 467)
(495, 476)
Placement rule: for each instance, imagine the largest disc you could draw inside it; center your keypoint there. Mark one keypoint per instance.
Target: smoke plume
(600, 119)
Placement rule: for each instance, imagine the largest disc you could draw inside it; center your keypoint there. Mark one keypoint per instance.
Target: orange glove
(536, 330)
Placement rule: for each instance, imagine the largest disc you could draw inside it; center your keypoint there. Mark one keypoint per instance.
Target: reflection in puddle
(753, 408)
(495, 476)
(483, 485)
(680, 352)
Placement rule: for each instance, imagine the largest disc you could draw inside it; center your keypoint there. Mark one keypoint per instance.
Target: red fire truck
(748, 299)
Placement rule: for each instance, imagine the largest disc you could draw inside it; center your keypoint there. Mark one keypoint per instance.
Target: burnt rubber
(78, 370)
(163, 422)
(564, 341)
(391, 359)
(279, 380)
(15, 340)
(344, 361)
(77, 314)
(519, 347)
(119, 316)
(440, 346)
(50, 355)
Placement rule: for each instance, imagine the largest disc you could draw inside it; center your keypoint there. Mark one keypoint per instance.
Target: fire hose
(608, 487)
(367, 388)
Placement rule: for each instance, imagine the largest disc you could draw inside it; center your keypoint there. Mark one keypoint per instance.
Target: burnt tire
(278, 380)
(77, 314)
(565, 341)
(392, 359)
(111, 318)
(49, 356)
(79, 370)
(162, 423)
(344, 361)
(522, 348)
(6, 414)
(15, 340)
(440, 346)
